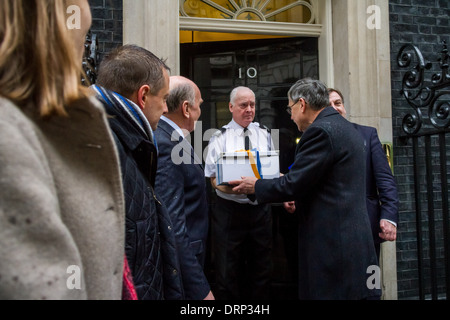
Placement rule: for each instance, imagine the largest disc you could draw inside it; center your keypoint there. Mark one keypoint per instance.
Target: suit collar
(171, 127)
(176, 138)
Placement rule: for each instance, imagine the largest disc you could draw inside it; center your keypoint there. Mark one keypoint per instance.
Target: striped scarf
(132, 111)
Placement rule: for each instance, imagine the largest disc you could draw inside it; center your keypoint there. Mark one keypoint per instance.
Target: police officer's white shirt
(231, 140)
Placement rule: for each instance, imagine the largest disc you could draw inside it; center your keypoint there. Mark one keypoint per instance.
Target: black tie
(247, 139)
(248, 146)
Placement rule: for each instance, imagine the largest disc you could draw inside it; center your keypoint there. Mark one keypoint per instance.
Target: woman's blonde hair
(39, 63)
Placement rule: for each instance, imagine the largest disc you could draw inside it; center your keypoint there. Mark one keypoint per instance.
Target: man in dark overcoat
(336, 251)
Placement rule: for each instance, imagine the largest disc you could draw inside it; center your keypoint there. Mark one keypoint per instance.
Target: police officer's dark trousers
(242, 240)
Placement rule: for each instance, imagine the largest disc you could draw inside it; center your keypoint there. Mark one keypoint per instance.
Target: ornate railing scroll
(433, 96)
(91, 59)
(428, 127)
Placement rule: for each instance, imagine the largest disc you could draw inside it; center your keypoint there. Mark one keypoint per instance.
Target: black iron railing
(90, 59)
(427, 125)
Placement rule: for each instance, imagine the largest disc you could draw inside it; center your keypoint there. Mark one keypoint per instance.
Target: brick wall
(107, 23)
(424, 23)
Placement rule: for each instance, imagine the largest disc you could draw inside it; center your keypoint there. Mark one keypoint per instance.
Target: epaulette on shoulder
(265, 127)
(220, 132)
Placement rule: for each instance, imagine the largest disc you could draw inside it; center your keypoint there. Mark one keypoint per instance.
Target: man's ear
(302, 105)
(142, 95)
(185, 109)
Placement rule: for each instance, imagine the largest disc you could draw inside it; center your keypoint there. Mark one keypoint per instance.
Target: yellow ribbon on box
(252, 163)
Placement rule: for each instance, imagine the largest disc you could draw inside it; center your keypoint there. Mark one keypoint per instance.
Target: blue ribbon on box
(258, 163)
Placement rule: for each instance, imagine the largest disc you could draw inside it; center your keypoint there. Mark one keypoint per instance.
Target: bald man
(180, 182)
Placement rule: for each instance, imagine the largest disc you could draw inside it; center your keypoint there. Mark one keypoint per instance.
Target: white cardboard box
(235, 165)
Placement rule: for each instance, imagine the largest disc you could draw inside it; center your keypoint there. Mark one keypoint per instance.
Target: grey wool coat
(61, 205)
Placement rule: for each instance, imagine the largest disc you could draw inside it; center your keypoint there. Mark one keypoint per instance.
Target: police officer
(241, 228)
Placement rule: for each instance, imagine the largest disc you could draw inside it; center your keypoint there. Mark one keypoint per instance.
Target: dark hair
(330, 90)
(314, 92)
(127, 68)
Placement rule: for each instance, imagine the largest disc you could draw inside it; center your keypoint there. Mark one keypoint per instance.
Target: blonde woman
(61, 199)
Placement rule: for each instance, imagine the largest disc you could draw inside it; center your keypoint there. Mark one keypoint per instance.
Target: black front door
(269, 67)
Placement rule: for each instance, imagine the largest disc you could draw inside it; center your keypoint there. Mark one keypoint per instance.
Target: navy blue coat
(180, 182)
(381, 189)
(150, 241)
(335, 243)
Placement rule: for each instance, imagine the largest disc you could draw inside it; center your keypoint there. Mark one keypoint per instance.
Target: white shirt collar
(235, 126)
(173, 125)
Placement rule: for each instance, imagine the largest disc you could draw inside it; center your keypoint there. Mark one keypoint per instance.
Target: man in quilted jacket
(133, 85)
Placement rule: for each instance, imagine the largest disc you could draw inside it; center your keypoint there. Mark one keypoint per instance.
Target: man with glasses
(336, 252)
(241, 227)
